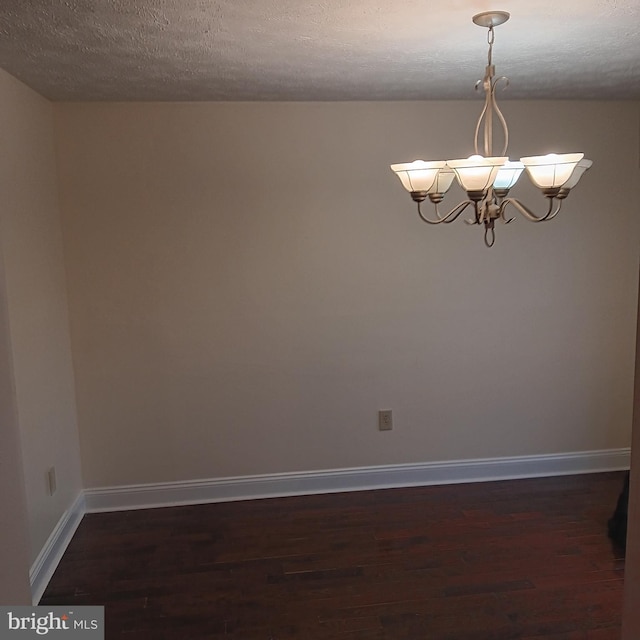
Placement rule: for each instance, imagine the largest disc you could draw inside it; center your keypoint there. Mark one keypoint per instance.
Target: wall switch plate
(51, 481)
(385, 420)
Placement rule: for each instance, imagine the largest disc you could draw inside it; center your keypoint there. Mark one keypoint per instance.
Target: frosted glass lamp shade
(581, 167)
(443, 181)
(508, 175)
(476, 173)
(418, 175)
(553, 170)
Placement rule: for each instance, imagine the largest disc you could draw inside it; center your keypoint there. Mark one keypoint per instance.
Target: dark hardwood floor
(527, 559)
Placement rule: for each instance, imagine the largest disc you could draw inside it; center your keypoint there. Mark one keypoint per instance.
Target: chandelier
(486, 178)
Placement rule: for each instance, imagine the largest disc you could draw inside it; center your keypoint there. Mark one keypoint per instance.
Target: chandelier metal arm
(490, 108)
(553, 210)
(552, 215)
(448, 217)
(501, 118)
(489, 236)
(482, 116)
(486, 213)
(479, 216)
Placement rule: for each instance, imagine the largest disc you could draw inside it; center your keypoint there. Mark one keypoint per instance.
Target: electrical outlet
(385, 420)
(51, 481)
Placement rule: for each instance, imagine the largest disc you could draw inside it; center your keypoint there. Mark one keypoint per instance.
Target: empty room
(318, 320)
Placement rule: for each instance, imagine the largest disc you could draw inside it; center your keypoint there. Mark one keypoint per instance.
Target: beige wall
(249, 284)
(37, 307)
(14, 538)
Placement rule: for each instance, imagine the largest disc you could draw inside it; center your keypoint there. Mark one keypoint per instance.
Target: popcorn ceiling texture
(128, 50)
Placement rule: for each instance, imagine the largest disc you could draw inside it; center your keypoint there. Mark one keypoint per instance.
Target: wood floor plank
(525, 559)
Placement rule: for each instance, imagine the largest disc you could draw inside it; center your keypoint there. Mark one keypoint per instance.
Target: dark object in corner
(618, 521)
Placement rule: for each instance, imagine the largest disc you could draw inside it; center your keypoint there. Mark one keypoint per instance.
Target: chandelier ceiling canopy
(487, 179)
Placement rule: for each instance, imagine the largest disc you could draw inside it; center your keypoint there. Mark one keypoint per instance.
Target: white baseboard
(55, 546)
(166, 494)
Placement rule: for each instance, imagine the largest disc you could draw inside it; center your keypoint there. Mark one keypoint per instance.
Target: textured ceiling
(323, 50)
